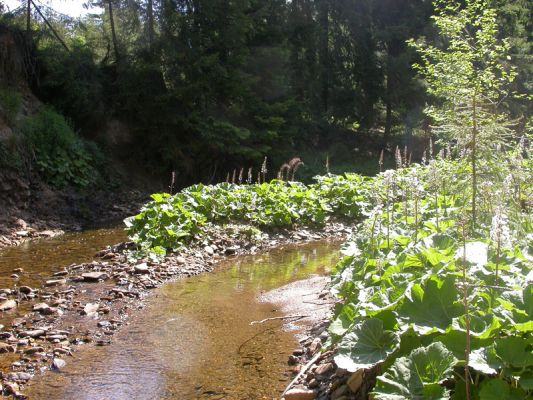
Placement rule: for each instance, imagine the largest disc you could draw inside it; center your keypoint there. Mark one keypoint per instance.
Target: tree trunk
(324, 52)
(150, 11)
(389, 89)
(28, 18)
(113, 32)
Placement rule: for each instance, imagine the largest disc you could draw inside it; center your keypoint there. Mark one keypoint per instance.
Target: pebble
(25, 289)
(58, 363)
(7, 305)
(55, 282)
(315, 345)
(33, 333)
(94, 276)
(43, 308)
(299, 394)
(356, 380)
(6, 348)
(141, 269)
(324, 369)
(90, 309)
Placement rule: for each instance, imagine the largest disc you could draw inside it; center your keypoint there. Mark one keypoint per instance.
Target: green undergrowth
(168, 222)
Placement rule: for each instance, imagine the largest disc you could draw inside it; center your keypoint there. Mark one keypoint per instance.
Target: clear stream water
(193, 340)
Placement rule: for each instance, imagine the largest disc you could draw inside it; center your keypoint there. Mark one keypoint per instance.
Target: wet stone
(90, 308)
(324, 369)
(33, 333)
(25, 289)
(20, 376)
(94, 276)
(6, 348)
(55, 282)
(8, 305)
(141, 269)
(43, 308)
(57, 364)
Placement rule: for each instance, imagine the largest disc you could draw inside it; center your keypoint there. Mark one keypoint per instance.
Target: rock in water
(94, 276)
(7, 305)
(142, 269)
(42, 308)
(58, 363)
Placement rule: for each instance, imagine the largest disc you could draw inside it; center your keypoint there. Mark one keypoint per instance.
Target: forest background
(205, 87)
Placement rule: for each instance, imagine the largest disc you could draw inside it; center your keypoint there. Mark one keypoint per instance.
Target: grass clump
(10, 103)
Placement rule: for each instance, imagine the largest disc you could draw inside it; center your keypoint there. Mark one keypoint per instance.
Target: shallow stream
(194, 340)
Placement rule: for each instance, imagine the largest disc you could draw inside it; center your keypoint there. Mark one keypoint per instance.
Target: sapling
(466, 306)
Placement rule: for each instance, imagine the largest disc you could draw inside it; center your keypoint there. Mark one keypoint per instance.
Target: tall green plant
(469, 75)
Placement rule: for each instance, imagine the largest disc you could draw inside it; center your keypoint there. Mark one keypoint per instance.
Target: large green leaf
(417, 376)
(431, 306)
(497, 389)
(367, 345)
(515, 352)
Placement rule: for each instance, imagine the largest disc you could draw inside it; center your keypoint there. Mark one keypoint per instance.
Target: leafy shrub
(10, 102)
(61, 157)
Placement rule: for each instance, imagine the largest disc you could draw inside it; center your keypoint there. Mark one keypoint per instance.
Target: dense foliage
(207, 86)
(168, 222)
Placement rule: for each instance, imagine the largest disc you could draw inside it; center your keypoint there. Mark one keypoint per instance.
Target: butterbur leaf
(484, 360)
(476, 253)
(367, 345)
(417, 376)
(344, 320)
(514, 351)
(432, 306)
(497, 389)
(526, 380)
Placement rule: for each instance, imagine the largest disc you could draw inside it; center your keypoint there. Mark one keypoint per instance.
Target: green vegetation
(61, 157)
(10, 102)
(168, 222)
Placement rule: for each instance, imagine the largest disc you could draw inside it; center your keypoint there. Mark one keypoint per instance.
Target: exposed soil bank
(30, 209)
(50, 322)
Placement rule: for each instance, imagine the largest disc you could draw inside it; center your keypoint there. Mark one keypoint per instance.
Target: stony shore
(88, 303)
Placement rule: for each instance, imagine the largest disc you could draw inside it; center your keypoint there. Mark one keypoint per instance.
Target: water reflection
(195, 341)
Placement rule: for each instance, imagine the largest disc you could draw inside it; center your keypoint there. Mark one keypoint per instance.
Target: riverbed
(195, 338)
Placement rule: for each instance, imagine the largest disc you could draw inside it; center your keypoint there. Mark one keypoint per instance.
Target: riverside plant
(442, 311)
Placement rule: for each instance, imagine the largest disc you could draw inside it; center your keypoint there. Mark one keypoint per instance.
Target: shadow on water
(194, 340)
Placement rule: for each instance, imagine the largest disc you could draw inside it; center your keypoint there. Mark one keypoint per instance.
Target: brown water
(194, 340)
(41, 258)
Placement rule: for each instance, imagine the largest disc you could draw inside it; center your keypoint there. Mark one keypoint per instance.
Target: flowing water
(194, 339)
